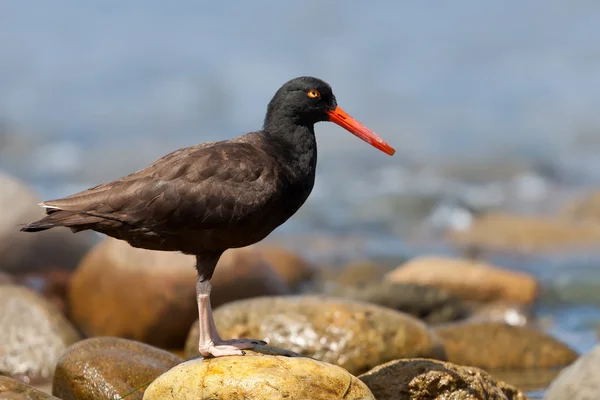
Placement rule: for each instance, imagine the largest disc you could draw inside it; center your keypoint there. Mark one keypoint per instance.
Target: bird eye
(313, 93)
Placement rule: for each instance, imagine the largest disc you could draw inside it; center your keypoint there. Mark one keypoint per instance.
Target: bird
(207, 198)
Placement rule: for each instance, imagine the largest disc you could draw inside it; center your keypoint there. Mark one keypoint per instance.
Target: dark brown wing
(198, 187)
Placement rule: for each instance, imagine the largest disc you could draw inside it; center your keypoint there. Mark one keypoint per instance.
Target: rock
(356, 273)
(579, 381)
(356, 336)
(421, 379)
(243, 273)
(293, 269)
(507, 233)
(150, 296)
(24, 252)
(51, 283)
(11, 389)
(500, 311)
(468, 280)
(427, 303)
(109, 368)
(584, 208)
(256, 376)
(494, 345)
(33, 336)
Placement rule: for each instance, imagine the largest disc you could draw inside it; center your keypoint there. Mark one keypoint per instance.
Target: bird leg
(210, 343)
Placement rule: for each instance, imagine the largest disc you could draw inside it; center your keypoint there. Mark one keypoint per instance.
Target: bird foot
(233, 347)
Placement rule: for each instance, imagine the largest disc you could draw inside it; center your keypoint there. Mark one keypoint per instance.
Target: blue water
(513, 84)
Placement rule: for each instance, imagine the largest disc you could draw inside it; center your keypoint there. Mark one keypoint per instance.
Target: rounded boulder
(468, 280)
(33, 334)
(354, 335)
(257, 376)
(109, 368)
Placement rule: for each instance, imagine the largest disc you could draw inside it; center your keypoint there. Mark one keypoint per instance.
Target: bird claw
(233, 347)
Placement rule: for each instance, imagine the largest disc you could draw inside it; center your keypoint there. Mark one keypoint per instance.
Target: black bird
(207, 198)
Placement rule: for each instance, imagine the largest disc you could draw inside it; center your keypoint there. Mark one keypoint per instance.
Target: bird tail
(56, 218)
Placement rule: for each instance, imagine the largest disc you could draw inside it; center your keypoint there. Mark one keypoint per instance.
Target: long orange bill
(344, 120)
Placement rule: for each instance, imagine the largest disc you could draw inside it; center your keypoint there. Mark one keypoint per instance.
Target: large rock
(150, 296)
(109, 368)
(468, 280)
(421, 379)
(495, 345)
(508, 233)
(428, 303)
(24, 252)
(356, 336)
(11, 389)
(580, 381)
(33, 334)
(257, 376)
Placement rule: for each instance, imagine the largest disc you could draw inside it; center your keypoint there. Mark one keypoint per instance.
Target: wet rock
(109, 368)
(579, 381)
(356, 336)
(24, 252)
(421, 379)
(150, 296)
(427, 303)
(500, 311)
(33, 334)
(468, 280)
(11, 389)
(527, 234)
(293, 268)
(257, 376)
(494, 345)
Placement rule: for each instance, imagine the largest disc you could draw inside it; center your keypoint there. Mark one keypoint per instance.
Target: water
(492, 105)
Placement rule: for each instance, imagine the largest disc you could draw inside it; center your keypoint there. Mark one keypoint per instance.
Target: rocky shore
(107, 321)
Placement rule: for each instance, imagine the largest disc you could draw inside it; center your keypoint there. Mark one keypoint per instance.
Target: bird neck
(297, 146)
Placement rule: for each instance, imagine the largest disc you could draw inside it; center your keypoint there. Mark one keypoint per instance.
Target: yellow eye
(313, 93)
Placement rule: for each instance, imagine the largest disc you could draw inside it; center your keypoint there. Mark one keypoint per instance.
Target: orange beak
(344, 120)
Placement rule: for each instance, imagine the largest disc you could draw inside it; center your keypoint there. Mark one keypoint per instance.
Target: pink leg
(210, 343)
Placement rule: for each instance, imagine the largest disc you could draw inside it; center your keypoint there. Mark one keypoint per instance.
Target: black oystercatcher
(208, 198)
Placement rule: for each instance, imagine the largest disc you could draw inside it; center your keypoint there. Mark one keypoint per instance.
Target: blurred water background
(490, 105)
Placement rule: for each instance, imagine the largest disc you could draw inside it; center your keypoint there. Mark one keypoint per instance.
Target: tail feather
(56, 218)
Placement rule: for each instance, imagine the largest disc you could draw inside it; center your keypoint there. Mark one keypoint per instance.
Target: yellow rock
(468, 280)
(256, 376)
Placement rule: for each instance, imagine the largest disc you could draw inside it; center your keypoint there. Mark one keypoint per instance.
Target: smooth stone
(109, 368)
(579, 381)
(354, 335)
(33, 334)
(468, 280)
(256, 376)
(428, 303)
(501, 311)
(422, 379)
(22, 252)
(150, 296)
(12, 389)
(496, 345)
